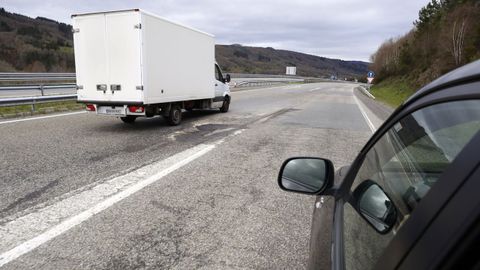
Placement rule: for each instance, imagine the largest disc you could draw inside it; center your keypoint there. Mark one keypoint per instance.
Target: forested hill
(243, 59)
(445, 36)
(35, 45)
(43, 45)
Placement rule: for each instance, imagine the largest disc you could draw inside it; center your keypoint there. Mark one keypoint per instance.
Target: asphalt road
(82, 191)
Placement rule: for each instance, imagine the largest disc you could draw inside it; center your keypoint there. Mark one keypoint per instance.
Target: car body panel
(461, 84)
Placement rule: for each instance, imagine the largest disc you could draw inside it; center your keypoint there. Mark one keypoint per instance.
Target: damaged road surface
(87, 192)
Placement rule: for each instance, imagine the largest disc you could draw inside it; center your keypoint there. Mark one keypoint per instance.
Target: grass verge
(392, 91)
(40, 108)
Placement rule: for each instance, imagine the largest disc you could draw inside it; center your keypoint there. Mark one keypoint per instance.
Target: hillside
(35, 45)
(445, 36)
(242, 59)
(44, 45)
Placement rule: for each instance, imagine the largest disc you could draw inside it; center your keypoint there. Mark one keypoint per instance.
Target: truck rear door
(108, 57)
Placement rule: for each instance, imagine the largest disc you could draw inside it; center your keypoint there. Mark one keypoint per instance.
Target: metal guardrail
(23, 76)
(40, 87)
(34, 100)
(28, 82)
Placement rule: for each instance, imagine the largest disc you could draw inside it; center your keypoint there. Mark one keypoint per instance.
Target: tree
(428, 14)
(458, 40)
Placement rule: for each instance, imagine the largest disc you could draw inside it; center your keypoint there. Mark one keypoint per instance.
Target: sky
(341, 29)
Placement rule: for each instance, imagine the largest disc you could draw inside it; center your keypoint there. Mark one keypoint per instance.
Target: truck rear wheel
(129, 119)
(225, 105)
(175, 116)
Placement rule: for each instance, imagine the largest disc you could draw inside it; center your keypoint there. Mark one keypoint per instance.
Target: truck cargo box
(133, 57)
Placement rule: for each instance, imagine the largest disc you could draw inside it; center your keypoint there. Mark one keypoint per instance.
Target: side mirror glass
(306, 175)
(375, 206)
(227, 78)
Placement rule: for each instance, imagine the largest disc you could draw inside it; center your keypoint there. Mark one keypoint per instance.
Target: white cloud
(350, 30)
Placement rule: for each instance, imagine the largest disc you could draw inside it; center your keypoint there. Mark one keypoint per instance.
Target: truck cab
(222, 88)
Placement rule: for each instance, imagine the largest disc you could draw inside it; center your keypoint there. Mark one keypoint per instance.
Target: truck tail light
(136, 109)
(90, 107)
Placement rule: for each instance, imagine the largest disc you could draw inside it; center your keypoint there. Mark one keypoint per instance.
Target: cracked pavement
(220, 211)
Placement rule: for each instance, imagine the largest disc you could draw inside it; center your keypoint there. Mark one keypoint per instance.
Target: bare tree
(458, 40)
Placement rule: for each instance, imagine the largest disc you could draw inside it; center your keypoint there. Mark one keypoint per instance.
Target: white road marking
(40, 117)
(24, 234)
(218, 131)
(316, 89)
(369, 122)
(284, 87)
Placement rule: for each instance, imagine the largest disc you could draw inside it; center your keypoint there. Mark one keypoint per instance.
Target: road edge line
(73, 221)
(367, 119)
(40, 117)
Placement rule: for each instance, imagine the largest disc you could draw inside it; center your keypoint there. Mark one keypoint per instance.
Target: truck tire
(225, 105)
(129, 119)
(175, 116)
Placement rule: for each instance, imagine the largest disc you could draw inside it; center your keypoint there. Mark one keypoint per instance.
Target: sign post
(370, 77)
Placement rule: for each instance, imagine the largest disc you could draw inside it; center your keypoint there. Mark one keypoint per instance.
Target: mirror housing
(374, 205)
(227, 78)
(306, 175)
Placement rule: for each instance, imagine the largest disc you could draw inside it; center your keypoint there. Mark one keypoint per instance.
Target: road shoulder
(376, 111)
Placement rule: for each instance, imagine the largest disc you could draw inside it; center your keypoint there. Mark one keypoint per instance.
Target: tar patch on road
(274, 114)
(203, 132)
(27, 198)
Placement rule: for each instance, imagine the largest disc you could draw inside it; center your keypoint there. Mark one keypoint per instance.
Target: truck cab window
(218, 74)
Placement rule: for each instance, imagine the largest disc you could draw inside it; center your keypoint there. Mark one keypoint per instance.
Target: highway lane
(220, 210)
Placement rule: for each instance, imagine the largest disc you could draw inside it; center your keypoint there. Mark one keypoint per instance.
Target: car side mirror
(307, 175)
(227, 78)
(374, 205)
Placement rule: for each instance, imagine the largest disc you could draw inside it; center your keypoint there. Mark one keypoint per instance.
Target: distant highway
(90, 192)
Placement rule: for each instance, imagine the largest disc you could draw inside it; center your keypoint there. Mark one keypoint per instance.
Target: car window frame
(432, 247)
(406, 237)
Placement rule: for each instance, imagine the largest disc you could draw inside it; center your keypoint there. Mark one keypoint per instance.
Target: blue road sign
(371, 74)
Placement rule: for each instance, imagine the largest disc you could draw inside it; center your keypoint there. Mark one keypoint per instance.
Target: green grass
(41, 108)
(392, 91)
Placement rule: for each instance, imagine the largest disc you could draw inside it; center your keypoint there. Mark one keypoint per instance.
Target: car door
(402, 168)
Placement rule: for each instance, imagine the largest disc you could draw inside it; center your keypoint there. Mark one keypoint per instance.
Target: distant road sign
(370, 79)
(291, 71)
(370, 74)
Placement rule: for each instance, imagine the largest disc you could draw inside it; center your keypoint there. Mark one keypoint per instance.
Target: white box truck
(131, 63)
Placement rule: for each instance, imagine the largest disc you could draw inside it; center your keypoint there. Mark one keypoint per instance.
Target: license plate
(108, 110)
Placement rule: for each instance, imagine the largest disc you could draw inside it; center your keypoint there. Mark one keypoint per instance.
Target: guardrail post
(33, 106)
(41, 88)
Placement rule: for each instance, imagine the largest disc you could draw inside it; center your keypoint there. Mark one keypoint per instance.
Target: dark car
(411, 198)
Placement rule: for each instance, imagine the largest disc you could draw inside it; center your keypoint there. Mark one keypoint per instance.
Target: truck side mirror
(227, 78)
(306, 175)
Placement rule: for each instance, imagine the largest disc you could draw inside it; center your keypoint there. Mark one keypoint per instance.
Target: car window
(406, 162)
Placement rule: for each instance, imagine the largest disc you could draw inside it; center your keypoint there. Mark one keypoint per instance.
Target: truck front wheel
(175, 116)
(129, 119)
(225, 105)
